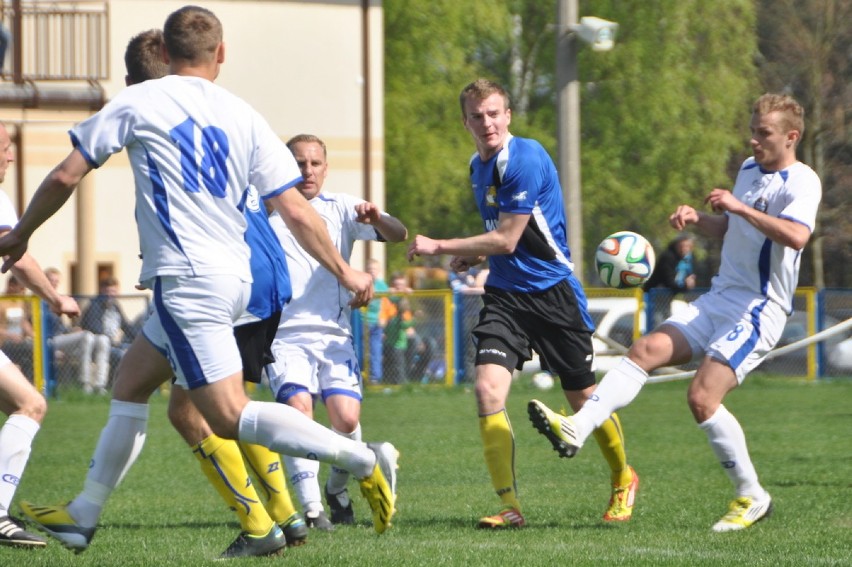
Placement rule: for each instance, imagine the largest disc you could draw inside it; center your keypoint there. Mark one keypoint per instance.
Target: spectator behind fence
(673, 274)
(375, 324)
(104, 316)
(398, 330)
(16, 322)
(76, 348)
(16, 328)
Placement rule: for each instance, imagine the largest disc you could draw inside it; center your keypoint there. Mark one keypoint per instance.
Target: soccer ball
(624, 259)
(542, 380)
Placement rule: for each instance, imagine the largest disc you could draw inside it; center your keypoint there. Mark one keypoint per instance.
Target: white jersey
(750, 260)
(320, 303)
(194, 149)
(8, 216)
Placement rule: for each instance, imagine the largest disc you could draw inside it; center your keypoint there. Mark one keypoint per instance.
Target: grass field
(799, 433)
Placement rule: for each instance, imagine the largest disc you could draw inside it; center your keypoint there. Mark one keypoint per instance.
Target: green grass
(165, 513)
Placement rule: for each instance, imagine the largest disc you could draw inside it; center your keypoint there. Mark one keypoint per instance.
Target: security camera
(597, 32)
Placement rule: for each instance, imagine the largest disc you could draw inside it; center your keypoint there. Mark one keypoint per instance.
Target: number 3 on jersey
(212, 169)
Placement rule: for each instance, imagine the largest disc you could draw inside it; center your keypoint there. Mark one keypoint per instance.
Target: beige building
(309, 66)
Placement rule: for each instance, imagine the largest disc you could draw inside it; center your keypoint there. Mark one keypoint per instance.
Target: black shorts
(512, 324)
(255, 343)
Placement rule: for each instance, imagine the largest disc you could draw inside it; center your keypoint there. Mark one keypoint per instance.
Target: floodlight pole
(568, 131)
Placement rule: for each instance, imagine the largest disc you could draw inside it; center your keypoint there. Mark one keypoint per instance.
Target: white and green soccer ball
(624, 259)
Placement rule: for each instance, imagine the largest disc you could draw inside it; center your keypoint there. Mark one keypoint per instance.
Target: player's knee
(701, 404)
(34, 406)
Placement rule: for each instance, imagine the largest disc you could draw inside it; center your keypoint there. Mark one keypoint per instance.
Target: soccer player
(194, 148)
(764, 224)
(313, 349)
(221, 459)
(532, 298)
(19, 400)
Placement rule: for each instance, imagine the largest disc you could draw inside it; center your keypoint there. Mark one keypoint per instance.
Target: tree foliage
(663, 113)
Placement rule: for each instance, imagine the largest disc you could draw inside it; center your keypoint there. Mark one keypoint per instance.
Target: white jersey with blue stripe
(522, 179)
(320, 304)
(194, 149)
(270, 287)
(750, 260)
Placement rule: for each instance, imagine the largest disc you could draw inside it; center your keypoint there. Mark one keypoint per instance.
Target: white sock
(16, 440)
(118, 447)
(338, 478)
(727, 440)
(304, 477)
(288, 431)
(619, 387)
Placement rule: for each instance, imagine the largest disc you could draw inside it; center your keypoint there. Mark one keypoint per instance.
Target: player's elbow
(798, 238)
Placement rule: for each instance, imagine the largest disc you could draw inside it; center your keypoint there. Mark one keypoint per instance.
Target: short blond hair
(792, 113)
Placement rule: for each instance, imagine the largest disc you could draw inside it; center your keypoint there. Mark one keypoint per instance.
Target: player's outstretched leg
(559, 429)
(380, 487)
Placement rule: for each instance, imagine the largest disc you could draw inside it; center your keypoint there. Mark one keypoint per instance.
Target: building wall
(299, 63)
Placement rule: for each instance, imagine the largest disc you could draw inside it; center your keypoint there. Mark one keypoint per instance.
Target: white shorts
(192, 325)
(324, 365)
(733, 326)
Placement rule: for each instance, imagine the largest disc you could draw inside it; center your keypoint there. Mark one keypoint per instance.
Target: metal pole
(568, 135)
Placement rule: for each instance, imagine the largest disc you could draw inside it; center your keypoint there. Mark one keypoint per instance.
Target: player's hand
(721, 200)
(367, 213)
(12, 248)
(683, 216)
(422, 245)
(361, 285)
(67, 306)
(464, 263)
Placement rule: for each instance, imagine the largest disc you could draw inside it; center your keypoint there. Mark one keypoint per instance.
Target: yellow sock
(267, 469)
(223, 466)
(610, 438)
(499, 444)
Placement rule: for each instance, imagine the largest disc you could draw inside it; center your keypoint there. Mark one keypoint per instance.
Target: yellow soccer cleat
(380, 487)
(623, 497)
(56, 522)
(506, 518)
(743, 512)
(559, 429)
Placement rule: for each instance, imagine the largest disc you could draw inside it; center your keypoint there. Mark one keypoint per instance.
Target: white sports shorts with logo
(733, 326)
(324, 365)
(192, 325)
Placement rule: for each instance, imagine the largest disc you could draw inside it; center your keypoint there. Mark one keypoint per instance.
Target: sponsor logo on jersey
(252, 200)
(491, 196)
(522, 196)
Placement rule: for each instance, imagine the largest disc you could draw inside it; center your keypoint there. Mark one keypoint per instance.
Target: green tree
(430, 54)
(665, 113)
